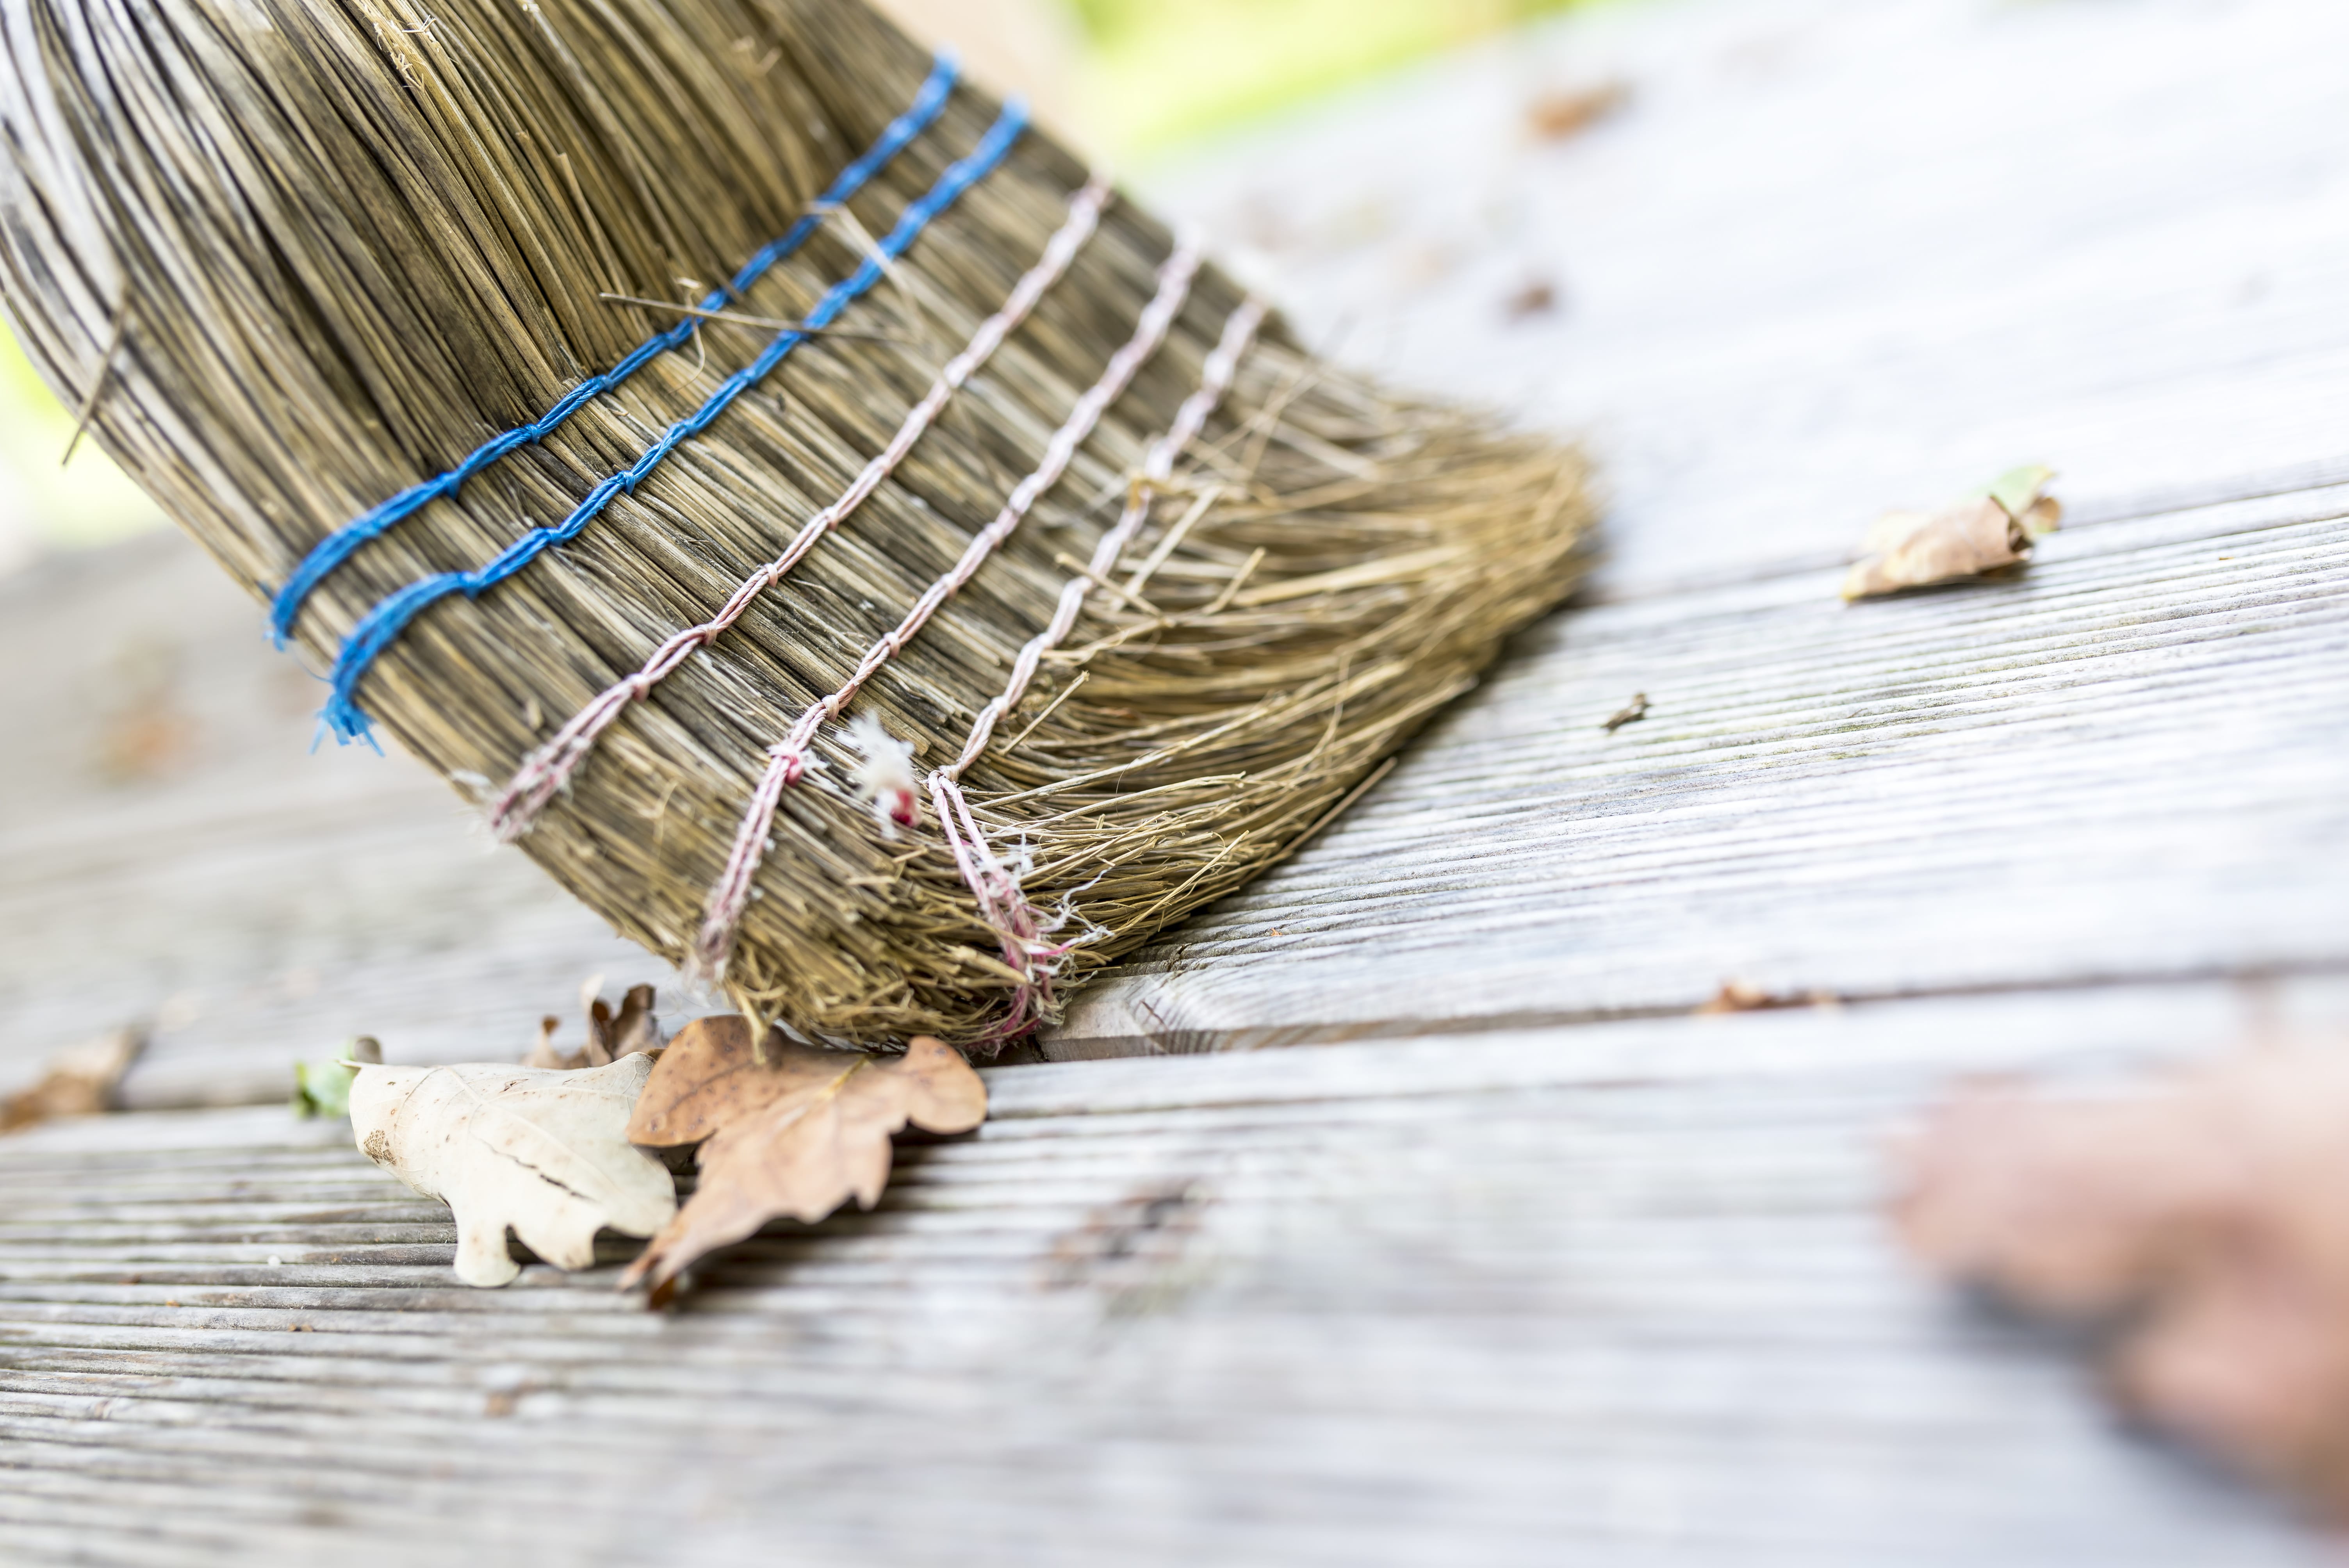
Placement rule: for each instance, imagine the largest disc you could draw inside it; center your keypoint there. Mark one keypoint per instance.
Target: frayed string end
(1004, 907)
(885, 780)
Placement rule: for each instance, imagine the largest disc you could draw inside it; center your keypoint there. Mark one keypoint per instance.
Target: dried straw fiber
(297, 255)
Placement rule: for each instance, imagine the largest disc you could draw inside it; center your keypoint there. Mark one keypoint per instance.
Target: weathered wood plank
(2127, 763)
(1618, 1287)
(1801, 757)
(171, 850)
(1838, 256)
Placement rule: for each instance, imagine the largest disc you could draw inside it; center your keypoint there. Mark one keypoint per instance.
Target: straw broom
(846, 544)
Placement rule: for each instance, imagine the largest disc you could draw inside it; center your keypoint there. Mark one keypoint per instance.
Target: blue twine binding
(383, 624)
(339, 546)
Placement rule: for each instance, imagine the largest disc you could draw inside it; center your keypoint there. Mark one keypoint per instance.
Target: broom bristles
(344, 242)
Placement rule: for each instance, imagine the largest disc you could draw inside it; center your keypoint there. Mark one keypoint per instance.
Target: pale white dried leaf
(542, 1153)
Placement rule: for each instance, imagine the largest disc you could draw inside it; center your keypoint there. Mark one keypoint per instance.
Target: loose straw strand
(88, 409)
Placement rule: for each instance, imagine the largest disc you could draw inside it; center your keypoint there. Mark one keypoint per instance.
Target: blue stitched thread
(385, 622)
(344, 542)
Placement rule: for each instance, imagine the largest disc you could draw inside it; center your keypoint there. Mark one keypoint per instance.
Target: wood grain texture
(1615, 1291)
(1834, 257)
(1552, 1272)
(1721, 269)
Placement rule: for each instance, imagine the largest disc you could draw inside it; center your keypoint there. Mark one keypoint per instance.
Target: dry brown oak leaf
(539, 1151)
(2207, 1219)
(794, 1136)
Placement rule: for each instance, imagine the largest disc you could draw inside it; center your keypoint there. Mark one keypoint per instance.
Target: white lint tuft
(885, 780)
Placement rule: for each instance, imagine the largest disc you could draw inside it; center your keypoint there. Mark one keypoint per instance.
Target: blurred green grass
(1163, 72)
(1155, 75)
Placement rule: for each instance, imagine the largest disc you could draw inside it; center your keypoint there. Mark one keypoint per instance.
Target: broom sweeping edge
(997, 886)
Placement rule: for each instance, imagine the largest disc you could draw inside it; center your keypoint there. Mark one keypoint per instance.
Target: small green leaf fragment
(2017, 488)
(322, 1088)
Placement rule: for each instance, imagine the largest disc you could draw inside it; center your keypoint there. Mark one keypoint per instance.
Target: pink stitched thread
(787, 759)
(1001, 902)
(546, 771)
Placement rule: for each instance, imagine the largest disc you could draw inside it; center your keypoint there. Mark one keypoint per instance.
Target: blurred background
(1137, 82)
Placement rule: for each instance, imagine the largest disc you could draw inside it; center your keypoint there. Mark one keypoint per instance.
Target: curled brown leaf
(610, 1034)
(2206, 1221)
(1743, 997)
(1918, 548)
(788, 1132)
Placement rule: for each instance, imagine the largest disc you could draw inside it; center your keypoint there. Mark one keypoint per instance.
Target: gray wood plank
(252, 900)
(1615, 1289)
(1838, 256)
(2127, 762)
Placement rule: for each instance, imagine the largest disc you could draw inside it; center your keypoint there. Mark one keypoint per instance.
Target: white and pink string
(787, 759)
(546, 771)
(996, 885)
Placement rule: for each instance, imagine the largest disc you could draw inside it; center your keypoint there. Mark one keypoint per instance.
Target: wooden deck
(1518, 1262)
